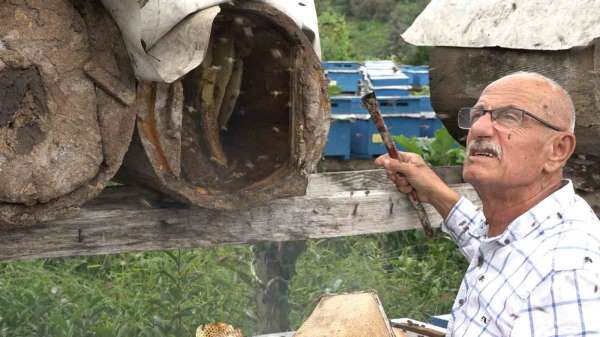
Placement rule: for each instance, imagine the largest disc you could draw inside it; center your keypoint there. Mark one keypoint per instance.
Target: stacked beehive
(352, 134)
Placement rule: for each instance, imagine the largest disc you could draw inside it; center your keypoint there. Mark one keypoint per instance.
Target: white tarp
(518, 24)
(167, 39)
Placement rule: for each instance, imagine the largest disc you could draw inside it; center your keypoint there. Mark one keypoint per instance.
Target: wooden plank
(124, 219)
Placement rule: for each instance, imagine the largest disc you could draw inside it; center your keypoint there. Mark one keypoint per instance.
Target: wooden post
(275, 265)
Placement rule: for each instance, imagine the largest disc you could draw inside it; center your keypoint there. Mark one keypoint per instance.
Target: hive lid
(347, 315)
(518, 24)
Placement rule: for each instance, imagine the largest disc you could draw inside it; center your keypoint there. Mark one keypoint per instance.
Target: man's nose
(483, 126)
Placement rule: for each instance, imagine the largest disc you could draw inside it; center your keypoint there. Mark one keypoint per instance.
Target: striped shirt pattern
(540, 277)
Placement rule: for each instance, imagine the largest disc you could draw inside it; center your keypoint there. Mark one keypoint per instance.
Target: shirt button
(506, 242)
(461, 301)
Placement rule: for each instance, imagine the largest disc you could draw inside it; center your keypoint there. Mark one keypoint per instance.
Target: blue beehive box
(418, 77)
(430, 126)
(341, 65)
(365, 139)
(425, 103)
(397, 90)
(347, 80)
(390, 80)
(441, 320)
(411, 67)
(347, 105)
(338, 140)
(399, 104)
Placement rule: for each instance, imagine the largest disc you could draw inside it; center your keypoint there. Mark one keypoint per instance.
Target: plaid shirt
(540, 277)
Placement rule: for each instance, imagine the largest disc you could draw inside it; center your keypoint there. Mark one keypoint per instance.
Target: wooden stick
(370, 102)
(421, 330)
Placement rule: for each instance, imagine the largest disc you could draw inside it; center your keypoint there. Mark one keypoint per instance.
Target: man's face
(509, 157)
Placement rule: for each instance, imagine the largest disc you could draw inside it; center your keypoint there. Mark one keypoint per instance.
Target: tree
(335, 38)
(370, 10)
(402, 17)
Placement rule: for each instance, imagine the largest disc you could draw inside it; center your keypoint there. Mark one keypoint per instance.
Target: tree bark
(66, 106)
(275, 265)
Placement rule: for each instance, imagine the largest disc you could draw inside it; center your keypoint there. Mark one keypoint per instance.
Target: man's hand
(410, 172)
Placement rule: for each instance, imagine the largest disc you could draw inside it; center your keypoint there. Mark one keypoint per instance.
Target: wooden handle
(370, 102)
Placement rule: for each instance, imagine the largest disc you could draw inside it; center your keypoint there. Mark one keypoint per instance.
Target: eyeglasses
(507, 117)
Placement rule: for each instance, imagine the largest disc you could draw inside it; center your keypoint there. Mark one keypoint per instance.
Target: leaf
(409, 144)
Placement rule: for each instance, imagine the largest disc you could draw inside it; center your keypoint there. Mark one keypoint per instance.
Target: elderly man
(534, 248)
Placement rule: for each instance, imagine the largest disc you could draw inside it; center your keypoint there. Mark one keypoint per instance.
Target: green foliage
(423, 91)
(150, 294)
(439, 151)
(333, 90)
(172, 293)
(374, 28)
(335, 37)
(418, 279)
(368, 38)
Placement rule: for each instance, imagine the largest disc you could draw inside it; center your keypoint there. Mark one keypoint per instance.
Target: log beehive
(66, 106)
(246, 126)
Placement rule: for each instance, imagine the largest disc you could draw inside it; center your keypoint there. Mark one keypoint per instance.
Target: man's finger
(405, 189)
(398, 166)
(381, 159)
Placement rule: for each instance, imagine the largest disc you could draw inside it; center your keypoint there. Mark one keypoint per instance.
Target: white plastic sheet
(519, 24)
(167, 39)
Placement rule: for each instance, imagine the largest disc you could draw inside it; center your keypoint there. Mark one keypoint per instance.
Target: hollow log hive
(67, 98)
(246, 126)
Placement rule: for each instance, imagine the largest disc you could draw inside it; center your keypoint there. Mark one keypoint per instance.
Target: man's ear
(561, 148)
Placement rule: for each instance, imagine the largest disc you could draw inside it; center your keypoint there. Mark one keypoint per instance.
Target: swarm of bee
(218, 330)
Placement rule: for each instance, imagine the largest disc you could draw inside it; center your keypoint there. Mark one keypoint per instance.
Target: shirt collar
(551, 207)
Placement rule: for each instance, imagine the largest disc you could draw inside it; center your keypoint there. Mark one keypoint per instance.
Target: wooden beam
(126, 219)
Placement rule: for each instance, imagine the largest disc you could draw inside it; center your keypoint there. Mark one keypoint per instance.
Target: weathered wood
(125, 219)
(63, 133)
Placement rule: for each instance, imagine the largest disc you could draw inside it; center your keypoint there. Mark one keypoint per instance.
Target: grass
(171, 293)
(137, 294)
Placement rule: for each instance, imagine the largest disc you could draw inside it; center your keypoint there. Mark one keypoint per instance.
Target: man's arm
(412, 173)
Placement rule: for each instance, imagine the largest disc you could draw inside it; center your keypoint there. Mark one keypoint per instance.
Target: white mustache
(484, 146)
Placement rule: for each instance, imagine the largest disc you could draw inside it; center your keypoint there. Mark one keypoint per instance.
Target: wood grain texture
(125, 219)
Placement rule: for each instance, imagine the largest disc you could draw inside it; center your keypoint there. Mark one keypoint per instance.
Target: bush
(441, 150)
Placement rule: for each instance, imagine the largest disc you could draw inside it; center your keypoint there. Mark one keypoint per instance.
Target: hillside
(369, 29)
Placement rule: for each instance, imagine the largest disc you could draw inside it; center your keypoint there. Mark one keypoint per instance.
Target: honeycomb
(218, 330)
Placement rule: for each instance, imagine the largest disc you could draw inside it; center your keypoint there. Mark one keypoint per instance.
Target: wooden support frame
(126, 219)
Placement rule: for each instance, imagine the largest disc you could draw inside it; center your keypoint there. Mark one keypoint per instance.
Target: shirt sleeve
(566, 303)
(466, 226)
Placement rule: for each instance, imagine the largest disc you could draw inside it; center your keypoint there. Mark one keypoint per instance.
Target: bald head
(553, 102)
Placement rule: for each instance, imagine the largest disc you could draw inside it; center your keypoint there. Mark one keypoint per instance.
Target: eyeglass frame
(491, 111)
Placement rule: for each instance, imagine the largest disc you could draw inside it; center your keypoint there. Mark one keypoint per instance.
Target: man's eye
(510, 115)
(475, 114)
